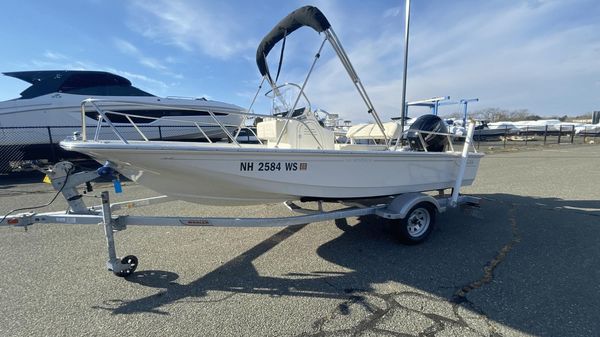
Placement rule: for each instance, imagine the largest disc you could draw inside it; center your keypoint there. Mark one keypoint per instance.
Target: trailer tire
(417, 225)
(130, 260)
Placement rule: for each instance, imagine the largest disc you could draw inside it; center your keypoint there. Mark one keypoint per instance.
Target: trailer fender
(401, 205)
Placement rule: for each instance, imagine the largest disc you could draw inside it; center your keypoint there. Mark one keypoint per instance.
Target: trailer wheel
(417, 225)
(132, 262)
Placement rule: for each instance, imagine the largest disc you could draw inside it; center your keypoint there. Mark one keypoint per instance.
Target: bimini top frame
(309, 16)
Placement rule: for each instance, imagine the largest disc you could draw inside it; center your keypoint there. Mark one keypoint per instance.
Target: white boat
(538, 126)
(231, 175)
(50, 110)
(566, 127)
(483, 131)
(508, 127)
(455, 127)
(542, 126)
(548, 126)
(297, 159)
(588, 130)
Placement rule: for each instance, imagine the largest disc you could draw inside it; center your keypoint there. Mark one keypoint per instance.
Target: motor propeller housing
(433, 142)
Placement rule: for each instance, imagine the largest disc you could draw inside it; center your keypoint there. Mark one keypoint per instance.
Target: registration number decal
(272, 166)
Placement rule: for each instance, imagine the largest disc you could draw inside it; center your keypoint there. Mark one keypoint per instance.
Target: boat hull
(484, 134)
(229, 175)
(30, 129)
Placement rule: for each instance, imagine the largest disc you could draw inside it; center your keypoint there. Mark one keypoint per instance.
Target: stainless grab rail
(95, 103)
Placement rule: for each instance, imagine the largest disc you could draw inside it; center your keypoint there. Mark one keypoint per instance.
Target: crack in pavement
(378, 317)
(381, 317)
(460, 296)
(488, 269)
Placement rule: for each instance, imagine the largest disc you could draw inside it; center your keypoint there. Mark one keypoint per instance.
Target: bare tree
(453, 115)
(498, 114)
(520, 115)
(490, 114)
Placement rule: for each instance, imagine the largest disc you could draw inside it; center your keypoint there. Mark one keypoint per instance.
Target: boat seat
(297, 134)
(372, 131)
(360, 147)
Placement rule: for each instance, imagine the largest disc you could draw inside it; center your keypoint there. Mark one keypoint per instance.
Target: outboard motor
(433, 142)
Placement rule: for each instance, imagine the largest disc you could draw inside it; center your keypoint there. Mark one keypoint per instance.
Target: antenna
(406, 27)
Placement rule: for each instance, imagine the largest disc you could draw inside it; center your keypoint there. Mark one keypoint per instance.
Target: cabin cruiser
(298, 158)
(49, 110)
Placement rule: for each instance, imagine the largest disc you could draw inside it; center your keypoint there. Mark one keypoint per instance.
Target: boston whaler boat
(297, 159)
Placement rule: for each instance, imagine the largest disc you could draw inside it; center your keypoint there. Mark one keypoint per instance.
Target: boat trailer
(414, 212)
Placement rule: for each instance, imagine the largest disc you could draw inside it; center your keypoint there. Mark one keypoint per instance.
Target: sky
(540, 55)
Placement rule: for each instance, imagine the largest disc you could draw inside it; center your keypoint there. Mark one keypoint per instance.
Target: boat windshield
(107, 90)
(92, 83)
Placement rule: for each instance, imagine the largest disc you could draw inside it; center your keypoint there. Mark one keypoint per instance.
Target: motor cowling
(433, 142)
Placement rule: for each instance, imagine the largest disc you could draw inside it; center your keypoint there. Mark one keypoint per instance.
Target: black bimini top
(304, 16)
(78, 82)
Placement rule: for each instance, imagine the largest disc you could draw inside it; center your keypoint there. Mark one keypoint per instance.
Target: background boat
(50, 110)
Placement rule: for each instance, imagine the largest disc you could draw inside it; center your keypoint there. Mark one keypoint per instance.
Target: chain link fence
(29, 143)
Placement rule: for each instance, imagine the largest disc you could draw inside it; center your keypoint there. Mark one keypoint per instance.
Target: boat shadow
(505, 263)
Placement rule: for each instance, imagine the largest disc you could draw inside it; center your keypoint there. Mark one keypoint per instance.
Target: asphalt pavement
(526, 263)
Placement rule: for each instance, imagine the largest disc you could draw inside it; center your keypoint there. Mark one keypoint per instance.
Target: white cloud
(517, 55)
(126, 47)
(54, 55)
(133, 76)
(171, 59)
(63, 63)
(515, 58)
(129, 49)
(511, 55)
(392, 12)
(151, 63)
(190, 26)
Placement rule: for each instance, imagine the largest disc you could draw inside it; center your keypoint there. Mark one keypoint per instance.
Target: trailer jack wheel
(417, 225)
(129, 263)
